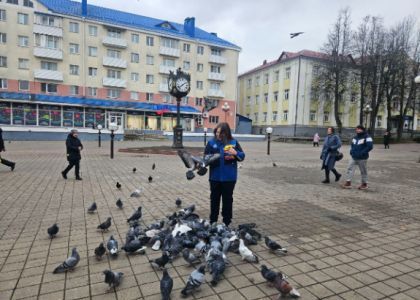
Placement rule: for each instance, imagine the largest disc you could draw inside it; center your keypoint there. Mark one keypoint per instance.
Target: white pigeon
(152, 232)
(247, 254)
(182, 228)
(156, 245)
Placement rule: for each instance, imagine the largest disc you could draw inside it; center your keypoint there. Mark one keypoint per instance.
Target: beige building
(68, 64)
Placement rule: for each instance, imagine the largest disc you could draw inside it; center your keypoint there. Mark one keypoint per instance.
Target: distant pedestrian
(361, 145)
(3, 149)
(329, 154)
(387, 138)
(74, 146)
(316, 139)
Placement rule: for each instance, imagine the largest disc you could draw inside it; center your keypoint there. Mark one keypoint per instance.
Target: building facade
(279, 94)
(66, 64)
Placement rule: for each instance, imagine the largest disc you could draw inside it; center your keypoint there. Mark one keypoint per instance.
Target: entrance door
(118, 118)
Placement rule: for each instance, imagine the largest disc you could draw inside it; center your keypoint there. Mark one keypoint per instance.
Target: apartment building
(66, 64)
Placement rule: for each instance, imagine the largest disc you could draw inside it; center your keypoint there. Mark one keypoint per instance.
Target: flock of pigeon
(184, 234)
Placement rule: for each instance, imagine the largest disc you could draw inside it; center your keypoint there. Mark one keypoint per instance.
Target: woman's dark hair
(332, 129)
(225, 133)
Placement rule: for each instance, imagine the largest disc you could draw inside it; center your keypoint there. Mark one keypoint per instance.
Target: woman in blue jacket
(329, 153)
(224, 172)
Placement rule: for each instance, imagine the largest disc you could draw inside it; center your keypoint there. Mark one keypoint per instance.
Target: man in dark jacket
(2, 148)
(74, 146)
(361, 145)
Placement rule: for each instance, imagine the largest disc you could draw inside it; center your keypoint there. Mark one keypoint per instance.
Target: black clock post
(179, 86)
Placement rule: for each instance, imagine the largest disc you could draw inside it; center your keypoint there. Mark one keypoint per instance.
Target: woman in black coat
(329, 154)
(74, 146)
(2, 148)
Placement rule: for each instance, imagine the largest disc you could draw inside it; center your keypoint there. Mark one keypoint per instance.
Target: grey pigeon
(153, 166)
(295, 34)
(178, 202)
(194, 281)
(53, 230)
(134, 170)
(274, 246)
(135, 216)
(134, 246)
(92, 208)
(269, 274)
(136, 193)
(119, 203)
(69, 264)
(160, 262)
(150, 179)
(100, 251)
(118, 185)
(190, 257)
(217, 267)
(105, 225)
(112, 246)
(113, 279)
(166, 285)
(284, 287)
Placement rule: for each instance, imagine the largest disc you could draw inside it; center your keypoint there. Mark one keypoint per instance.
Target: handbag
(339, 156)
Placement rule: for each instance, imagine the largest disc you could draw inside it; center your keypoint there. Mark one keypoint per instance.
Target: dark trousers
(7, 163)
(73, 163)
(225, 191)
(316, 144)
(386, 146)
(327, 173)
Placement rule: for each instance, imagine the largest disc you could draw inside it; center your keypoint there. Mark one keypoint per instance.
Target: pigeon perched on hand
(112, 246)
(100, 251)
(190, 257)
(160, 262)
(105, 225)
(136, 193)
(69, 264)
(178, 202)
(92, 208)
(119, 203)
(118, 185)
(53, 230)
(247, 254)
(136, 215)
(166, 285)
(194, 281)
(274, 246)
(113, 279)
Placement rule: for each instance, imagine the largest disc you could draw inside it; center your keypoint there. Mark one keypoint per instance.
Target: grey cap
(74, 131)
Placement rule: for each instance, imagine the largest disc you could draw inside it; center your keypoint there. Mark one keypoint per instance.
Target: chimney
(264, 62)
(84, 8)
(189, 26)
(213, 33)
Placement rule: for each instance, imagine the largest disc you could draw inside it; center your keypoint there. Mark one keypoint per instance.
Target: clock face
(182, 85)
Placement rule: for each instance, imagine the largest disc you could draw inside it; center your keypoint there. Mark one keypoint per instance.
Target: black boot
(8, 163)
(337, 175)
(327, 176)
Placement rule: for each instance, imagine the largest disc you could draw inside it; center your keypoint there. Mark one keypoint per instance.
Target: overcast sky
(261, 27)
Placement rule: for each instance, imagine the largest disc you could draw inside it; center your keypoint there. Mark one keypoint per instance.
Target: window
(150, 60)
(93, 30)
(167, 98)
(113, 53)
(48, 87)
(199, 85)
(285, 115)
(276, 96)
(276, 75)
(23, 85)
(216, 51)
(149, 97)
(28, 3)
(266, 78)
(265, 117)
(326, 116)
(2, 15)
(23, 41)
(200, 67)
(266, 98)
(45, 20)
(257, 99)
(74, 27)
(23, 19)
(169, 62)
(47, 65)
(74, 48)
(13, 2)
(149, 78)
(256, 117)
(149, 41)
(186, 65)
(378, 121)
(187, 47)
(114, 32)
(134, 96)
(214, 119)
(184, 100)
(3, 61)
(169, 43)
(215, 69)
(74, 70)
(312, 116)
(353, 97)
(93, 71)
(200, 50)
(93, 51)
(135, 58)
(249, 83)
(134, 76)
(46, 41)
(3, 38)
(286, 94)
(23, 63)
(315, 70)
(215, 86)
(113, 74)
(257, 81)
(113, 93)
(135, 38)
(92, 91)
(3, 83)
(248, 100)
(287, 74)
(74, 90)
(198, 101)
(274, 116)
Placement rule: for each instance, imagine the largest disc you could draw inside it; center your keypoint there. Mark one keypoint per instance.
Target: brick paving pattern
(343, 244)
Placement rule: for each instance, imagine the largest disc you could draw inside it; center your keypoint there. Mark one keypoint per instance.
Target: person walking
(361, 145)
(316, 140)
(223, 172)
(3, 149)
(74, 146)
(387, 138)
(329, 154)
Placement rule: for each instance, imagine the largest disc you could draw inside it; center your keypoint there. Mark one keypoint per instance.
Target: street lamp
(99, 134)
(367, 110)
(225, 108)
(205, 136)
(112, 127)
(269, 130)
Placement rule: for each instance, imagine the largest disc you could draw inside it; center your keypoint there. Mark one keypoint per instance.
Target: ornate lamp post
(112, 127)
(269, 130)
(99, 135)
(225, 108)
(179, 86)
(205, 136)
(367, 110)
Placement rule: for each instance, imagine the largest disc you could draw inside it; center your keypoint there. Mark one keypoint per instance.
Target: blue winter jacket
(330, 151)
(225, 169)
(361, 145)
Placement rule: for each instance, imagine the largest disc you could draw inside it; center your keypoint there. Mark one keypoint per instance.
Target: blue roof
(117, 17)
(103, 103)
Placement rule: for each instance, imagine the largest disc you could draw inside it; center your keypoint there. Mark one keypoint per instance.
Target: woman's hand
(232, 151)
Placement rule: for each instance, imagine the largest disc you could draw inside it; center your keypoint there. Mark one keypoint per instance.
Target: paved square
(343, 244)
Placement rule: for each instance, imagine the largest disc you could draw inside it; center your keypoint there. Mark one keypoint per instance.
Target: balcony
(165, 69)
(48, 75)
(217, 76)
(114, 82)
(48, 30)
(218, 59)
(163, 87)
(215, 93)
(48, 53)
(114, 62)
(169, 51)
(114, 42)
